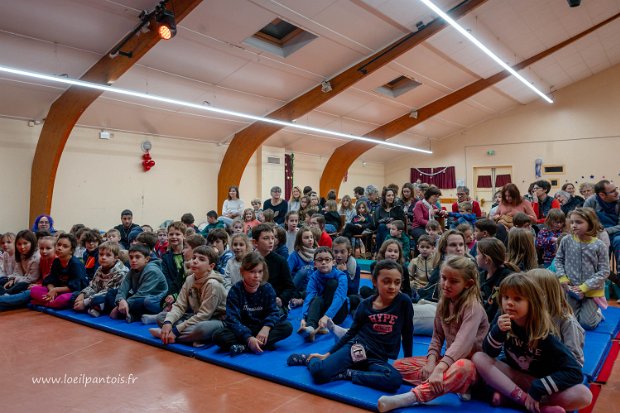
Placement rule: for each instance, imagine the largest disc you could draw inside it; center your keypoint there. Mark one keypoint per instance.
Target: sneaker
(237, 349)
(464, 397)
(149, 319)
(93, 312)
(295, 302)
(297, 360)
(198, 344)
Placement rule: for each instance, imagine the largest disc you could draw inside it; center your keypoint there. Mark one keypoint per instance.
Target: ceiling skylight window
(396, 87)
(280, 37)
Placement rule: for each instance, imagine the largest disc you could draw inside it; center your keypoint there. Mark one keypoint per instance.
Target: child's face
(46, 248)
(341, 253)
(557, 225)
(395, 232)
(264, 244)
(455, 245)
(516, 306)
(91, 245)
(433, 232)
(114, 237)
(307, 239)
(252, 278)
(314, 200)
(425, 249)
(314, 223)
(292, 222)
(578, 225)
(324, 262)
(162, 237)
(137, 261)
(219, 245)
(237, 228)
(392, 252)
(388, 284)
(175, 237)
(303, 203)
(211, 220)
(469, 237)
(63, 248)
(23, 246)
(362, 210)
(239, 248)
(480, 234)
(188, 252)
(200, 264)
(452, 283)
(256, 206)
(406, 193)
(296, 193)
(248, 216)
(106, 258)
(8, 245)
(482, 261)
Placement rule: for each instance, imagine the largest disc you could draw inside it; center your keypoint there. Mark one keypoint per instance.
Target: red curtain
(442, 177)
(288, 175)
(484, 181)
(501, 180)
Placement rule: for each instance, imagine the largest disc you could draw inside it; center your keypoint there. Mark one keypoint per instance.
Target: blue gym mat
(271, 365)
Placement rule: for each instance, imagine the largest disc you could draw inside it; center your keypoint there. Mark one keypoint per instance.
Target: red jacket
(555, 204)
(325, 240)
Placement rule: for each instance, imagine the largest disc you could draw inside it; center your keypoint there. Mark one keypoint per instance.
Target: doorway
(487, 180)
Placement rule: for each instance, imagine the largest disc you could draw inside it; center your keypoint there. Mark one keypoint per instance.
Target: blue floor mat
(271, 365)
(596, 348)
(611, 324)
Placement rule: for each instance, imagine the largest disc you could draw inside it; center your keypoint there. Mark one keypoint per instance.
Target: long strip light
(109, 89)
(482, 47)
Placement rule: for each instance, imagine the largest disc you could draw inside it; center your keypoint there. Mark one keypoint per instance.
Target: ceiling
(208, 61)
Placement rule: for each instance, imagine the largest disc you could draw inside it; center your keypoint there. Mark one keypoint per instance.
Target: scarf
(431, 210)
(306, 254)
(351, 268)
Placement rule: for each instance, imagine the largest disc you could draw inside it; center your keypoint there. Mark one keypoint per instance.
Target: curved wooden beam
(248, 140)
(67, 109)
(344, 156)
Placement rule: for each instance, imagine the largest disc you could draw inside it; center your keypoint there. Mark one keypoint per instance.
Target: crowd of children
(478, 288)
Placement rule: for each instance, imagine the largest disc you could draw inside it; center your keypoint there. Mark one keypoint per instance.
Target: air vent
(398, 86)
(280, 38)
(273, 160)
(553, 169)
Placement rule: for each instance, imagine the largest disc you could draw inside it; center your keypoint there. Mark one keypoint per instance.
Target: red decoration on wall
(147, 162)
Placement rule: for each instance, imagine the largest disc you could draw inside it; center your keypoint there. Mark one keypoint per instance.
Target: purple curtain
(445, 179)
(501, 180)
(484, 181)
(288, 175)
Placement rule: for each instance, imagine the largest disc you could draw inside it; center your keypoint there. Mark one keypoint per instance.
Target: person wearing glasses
(543, 203)
(462, 193)
(278, 205)
(605, 204)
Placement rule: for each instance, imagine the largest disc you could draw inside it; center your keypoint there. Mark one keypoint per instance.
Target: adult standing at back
(605, 203)
(125, 227)
(277, 205)
(462, 194)
(543, 203)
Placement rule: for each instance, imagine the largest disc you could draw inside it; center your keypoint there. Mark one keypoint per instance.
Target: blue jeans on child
(372, 372)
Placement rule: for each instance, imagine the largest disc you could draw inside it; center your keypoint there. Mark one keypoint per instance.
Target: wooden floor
(38, 345)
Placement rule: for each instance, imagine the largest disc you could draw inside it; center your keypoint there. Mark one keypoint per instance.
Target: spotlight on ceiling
(165, 21)
(574, 3)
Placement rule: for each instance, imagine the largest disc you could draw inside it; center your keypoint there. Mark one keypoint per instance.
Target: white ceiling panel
(307, 8)
(492, 100)
(434, 128)
(25, 100)
(463, 114)
(346, 102)
(378, 112)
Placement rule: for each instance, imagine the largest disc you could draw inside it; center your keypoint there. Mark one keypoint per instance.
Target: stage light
(166, 23)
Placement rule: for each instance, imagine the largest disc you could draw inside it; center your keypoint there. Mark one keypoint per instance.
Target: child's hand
(51, 295)
(9, 283)
(436, 381)
(169, 300)
(254, 345)
(504, 323)
(123, 307)
(302, 325)
(323, 321)
(532, 405)
(576, 292)
(427, 370)
(263, 335)
(78, 305)
(167, 336)
(318, 356)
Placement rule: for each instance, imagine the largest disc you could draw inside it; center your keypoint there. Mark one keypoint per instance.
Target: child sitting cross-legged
(461, 323)
(99, 296)
(143, 289)
(253, 319)
(201, 305)
(380, 323)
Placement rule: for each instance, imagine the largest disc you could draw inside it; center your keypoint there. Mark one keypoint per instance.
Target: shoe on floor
(237, 349)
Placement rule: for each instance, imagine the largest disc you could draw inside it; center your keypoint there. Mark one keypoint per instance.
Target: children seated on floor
(200, 308)
(380, 324)
(318, 221)
(398, 233)
(254, 322)
(172, 263)
(421, 267)
(143, 288)
(99, 296)
(240, 245)
(218, 239)
(27, 258)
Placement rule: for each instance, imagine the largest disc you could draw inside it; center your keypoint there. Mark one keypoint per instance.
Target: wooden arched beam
(344, 156)
(67, 109)
(248, 140)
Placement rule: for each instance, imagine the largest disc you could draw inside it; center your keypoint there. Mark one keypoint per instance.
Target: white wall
(581, 131)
